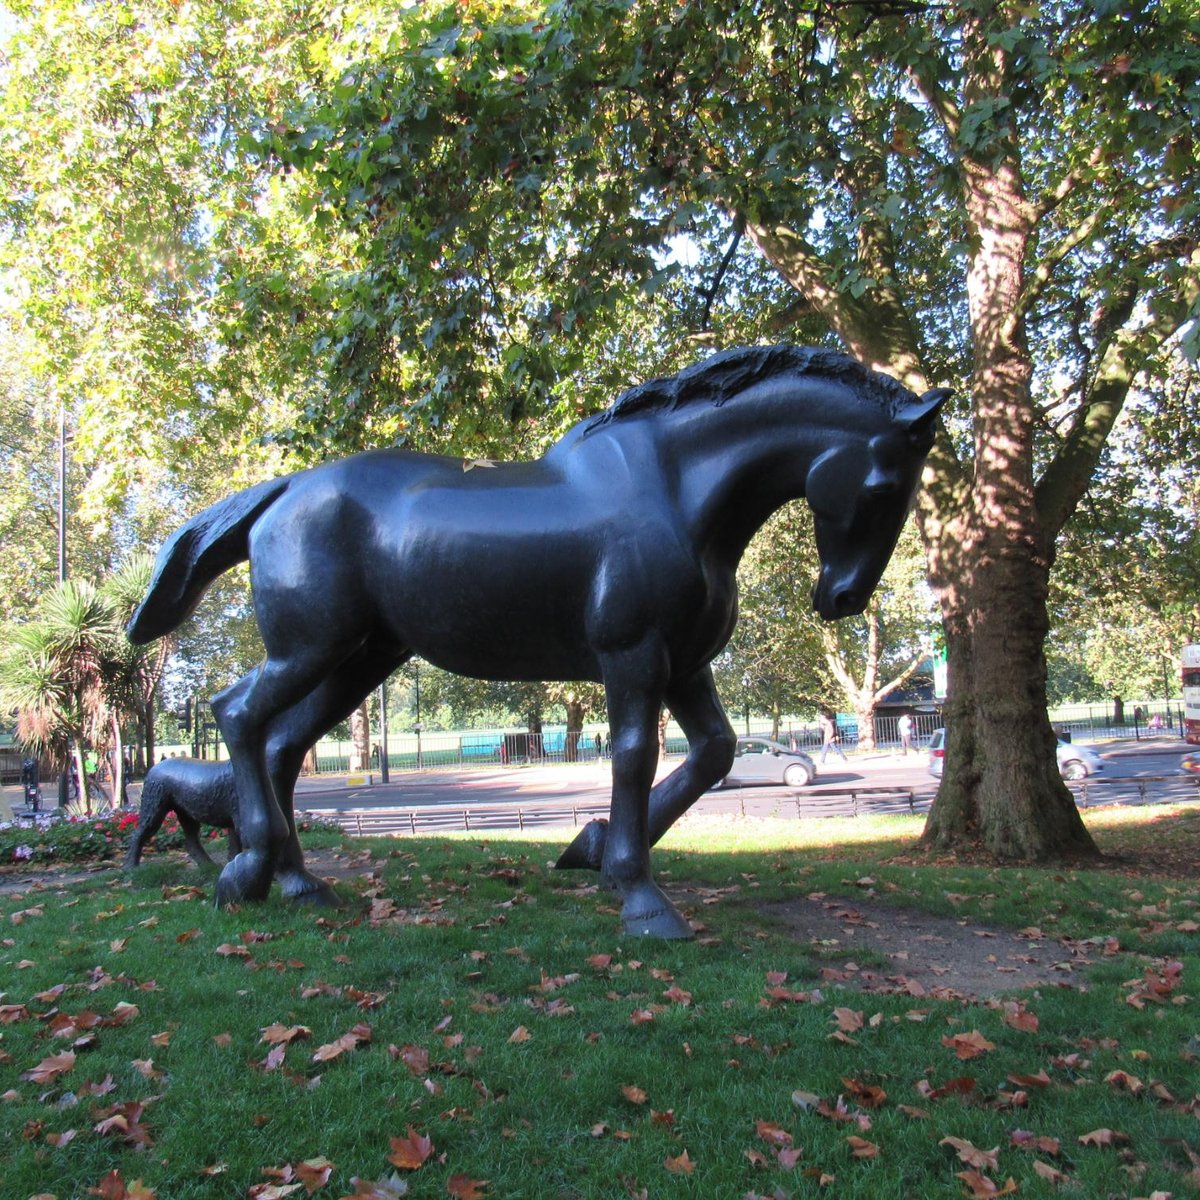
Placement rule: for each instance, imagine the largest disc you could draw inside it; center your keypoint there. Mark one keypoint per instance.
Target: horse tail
(195, 554)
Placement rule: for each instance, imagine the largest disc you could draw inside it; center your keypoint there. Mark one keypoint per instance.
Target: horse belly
(504, 612)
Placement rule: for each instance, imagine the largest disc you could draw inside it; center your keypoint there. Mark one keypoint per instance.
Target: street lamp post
(384, 773)
(63, 775)
(417, 726)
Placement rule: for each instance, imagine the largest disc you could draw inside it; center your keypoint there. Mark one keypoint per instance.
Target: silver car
(1074, 762)
(760, 760)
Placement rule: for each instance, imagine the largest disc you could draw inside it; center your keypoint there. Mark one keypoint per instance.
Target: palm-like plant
(72, 676)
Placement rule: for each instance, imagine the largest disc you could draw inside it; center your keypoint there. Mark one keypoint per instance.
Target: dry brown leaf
(848, 1021)
(277, 1034)
(968, 1045)
(51, 1067)
(972, 1156)
(980, 1187)
(462, 1187)
(1049, 1173)
(1103, 1137)
(314, 1173)
(411, 1151)
(861, 1148)
(772, 1133)
(680, 1165)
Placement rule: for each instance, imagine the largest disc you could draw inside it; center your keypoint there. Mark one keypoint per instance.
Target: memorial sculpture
(198, 793)
(611, 558)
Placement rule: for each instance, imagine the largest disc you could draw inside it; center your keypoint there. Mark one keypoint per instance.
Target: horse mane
(722, 376)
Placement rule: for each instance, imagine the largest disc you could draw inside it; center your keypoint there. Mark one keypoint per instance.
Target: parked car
(1074, 762)
(760, 760)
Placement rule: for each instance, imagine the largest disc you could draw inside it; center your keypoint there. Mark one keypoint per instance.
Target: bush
(78, 839)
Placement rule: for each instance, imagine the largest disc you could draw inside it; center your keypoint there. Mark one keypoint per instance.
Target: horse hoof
(302, 888)
(247, 876)
(648, 913)
(586, 852)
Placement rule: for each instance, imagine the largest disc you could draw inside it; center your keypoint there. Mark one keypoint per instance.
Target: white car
(760, 760)
(1074, 762)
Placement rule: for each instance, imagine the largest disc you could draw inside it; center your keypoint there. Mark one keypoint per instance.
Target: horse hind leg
(296, 730)
(244, 714)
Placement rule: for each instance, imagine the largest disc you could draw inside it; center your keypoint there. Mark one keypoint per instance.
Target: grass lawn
(474, 1024)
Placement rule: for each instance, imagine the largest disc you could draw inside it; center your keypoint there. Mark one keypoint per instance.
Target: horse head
(860, 493)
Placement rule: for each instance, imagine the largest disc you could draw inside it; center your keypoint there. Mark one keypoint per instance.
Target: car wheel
(797, 775)
(1074, 769)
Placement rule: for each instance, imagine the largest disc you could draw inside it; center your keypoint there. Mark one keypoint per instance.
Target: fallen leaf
(278, 1034)
(980, 1187)
(314, 1173)
(411, 1151)
(865, 1094)
(861, 1148)
(968, 1045)
(972, 1156)
(680, 1165)
(848, 1020)
(520, 1034)
(50, 1068)
(462, 1187)
(377, 1189)
(1103, 1137)
(1049, 1173)
(774, 1134)
(633, 1094)
(1032, 1141)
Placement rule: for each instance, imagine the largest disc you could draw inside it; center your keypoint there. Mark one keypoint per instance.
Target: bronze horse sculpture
(612, 558)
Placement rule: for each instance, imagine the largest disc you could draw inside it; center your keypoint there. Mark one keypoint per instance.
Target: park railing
(499, 748)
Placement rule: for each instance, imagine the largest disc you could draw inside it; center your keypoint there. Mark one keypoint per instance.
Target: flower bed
(76, 839)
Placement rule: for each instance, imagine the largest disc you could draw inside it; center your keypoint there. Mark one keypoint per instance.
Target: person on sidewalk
(829, 737)
(904, 728)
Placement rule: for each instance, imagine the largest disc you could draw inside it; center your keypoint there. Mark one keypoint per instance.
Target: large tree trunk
(360, 739)
(1001, 787)
(574, 729)
(1001, 782)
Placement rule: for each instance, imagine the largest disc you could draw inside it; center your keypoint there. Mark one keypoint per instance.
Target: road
(483, 798)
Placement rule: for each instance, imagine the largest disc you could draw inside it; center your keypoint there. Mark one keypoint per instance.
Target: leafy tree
(460, 224)
(980, 192)
(72, 677)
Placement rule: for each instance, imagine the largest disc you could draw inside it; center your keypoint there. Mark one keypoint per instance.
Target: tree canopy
(467, 224)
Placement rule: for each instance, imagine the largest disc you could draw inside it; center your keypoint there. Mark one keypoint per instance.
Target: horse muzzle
(832, 602)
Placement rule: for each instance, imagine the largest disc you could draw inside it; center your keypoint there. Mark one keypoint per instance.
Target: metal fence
(499, 748)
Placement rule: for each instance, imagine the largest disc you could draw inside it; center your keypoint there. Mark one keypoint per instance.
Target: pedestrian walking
(904, 727)
(829, 737)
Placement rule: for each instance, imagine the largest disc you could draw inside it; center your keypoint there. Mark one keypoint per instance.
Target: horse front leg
(625, 866)
(711, 744)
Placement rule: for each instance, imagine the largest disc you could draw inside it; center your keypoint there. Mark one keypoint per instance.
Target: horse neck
(734, 473)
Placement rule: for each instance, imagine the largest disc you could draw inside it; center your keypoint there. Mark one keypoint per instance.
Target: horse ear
(921, 413)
